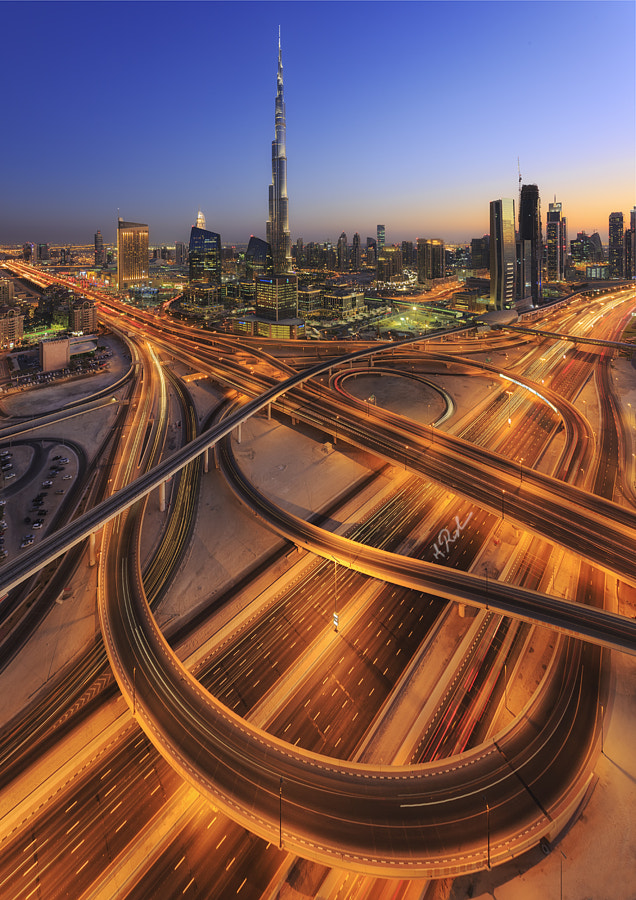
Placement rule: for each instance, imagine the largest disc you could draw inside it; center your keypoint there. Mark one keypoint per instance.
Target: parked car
(47, 484)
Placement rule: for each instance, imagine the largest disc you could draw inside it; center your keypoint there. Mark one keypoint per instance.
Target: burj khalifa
(278, 234)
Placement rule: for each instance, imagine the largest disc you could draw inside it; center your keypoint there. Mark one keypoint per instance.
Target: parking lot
(36, 478)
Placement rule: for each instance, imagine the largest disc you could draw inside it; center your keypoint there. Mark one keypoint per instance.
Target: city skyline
(409, 119)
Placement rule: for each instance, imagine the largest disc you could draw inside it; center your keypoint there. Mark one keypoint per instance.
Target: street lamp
(335, 597)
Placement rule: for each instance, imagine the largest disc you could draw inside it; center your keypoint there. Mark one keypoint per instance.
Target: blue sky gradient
(411, 114)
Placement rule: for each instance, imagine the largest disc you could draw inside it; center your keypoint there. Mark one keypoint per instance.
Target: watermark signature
(446, 537)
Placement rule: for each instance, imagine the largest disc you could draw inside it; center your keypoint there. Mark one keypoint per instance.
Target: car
(9, 475)
(59, 492)
(5, 454)
(37, 523)
(66, 477)
(7, 466)
(3, 554)
(47, 484)
(63, 459)
(26, 541)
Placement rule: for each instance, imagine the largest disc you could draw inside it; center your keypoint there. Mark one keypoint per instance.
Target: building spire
(278, 234)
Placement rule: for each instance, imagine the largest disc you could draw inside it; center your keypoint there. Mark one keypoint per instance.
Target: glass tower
(531, 240)
(556, 243)
(278, 234)
(616, 245)
(204, 261)
(502, 253)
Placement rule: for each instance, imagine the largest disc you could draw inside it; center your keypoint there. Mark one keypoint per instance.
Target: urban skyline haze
(412, 114)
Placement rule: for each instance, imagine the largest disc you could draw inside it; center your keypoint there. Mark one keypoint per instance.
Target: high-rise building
(502, 253)
(82, 316)
(200, 221)
(204, 259)
(531, 243)
(629, 244)
(100, 259)
(277, 297)
(431, 259)
(278, 234)
(480, 252)
(258, 258)
(343, 253)
(28, 252)
(372, 251)
(556, 238)
(409, 256)
(615, 249)
(356, 253)
(7, 292)
(43, 252)
(132, 254)
(389, 264)
(381, 239)
(180, 253)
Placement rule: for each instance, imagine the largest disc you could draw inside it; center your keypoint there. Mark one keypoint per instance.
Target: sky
(411, 114)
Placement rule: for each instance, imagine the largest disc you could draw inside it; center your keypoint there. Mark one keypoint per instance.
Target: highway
(422, 443)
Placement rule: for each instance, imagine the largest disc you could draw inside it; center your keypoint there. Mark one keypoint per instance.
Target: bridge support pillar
(461, 610)
(91, 549)
(162, 497)
(239, 432)
(269, 412)
(206, 460)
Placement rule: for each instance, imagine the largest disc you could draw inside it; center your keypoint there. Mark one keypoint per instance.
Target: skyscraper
(616, 245)
(556, 242)
(200, 221)
(204, 260)
(278, 234)
(431, 261)
(132, 253)
(502, 253)
(180, 253)
(343, 253)
(630, 272)
(356, 253)
(381, 237)
(100, 259)
(531, 243)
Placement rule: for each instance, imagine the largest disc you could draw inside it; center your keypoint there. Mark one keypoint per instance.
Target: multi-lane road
(241, 767)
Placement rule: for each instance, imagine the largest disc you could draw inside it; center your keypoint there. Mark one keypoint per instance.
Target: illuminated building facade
(132, 254)
(204, 260)
(278, 234)
(356, 253)
(100, 258)
(502, 253)
(83, 317)
(381, 238)
(277, 297)
(615, 249)
(389, 264)
(556, 242)
(342, 253)
(431, 259)
(11, 327)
